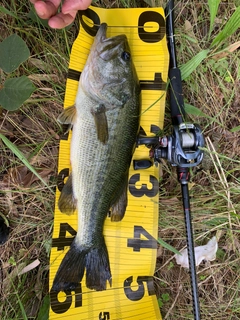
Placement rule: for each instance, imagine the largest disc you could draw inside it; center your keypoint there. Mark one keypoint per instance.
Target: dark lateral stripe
(73, 74)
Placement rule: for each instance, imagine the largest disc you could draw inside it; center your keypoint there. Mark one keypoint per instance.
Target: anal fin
(119, 207)
(67, 203)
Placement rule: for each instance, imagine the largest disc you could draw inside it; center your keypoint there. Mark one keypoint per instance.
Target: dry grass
(215, 186)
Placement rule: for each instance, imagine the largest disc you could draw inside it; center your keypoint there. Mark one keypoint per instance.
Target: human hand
(49, 10)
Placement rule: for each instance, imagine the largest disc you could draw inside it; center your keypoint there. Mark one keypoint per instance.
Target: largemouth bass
(105, 121)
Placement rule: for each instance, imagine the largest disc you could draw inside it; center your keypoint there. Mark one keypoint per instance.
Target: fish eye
(125, 56)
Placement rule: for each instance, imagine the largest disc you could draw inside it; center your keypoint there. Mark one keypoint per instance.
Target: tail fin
(98, 268)
(71, 270)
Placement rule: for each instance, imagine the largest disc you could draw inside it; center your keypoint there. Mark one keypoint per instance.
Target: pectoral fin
(119, 207)
(67, 203)
(101, 123)
(68, 115)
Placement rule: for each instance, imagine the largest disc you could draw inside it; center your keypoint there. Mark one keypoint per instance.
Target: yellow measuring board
(131, 243)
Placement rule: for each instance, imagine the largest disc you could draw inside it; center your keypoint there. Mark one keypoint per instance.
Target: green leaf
(22, 158)
(160, 302)
(6, 11)
(230, 27)
(165, 297)
(190, 109)
(213, 8)
(168, 246)
(44, 309)
(191, 65)
(15, 91)
(194, 111)
(235, 129)
(13, 52)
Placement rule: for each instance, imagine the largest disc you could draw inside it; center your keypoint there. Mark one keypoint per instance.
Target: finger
(45, 9)
(61, 20)
(74, 5)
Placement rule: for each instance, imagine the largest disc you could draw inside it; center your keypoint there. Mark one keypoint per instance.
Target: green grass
(34, 132)
(212, 87)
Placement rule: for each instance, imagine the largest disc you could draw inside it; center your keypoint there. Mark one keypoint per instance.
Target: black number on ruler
(61, 176)
(147, 16)
(156, 84)
(104, 316)
(62, 241)
(151, 16)
(63, 306)
(144, 189)
(138, 294)
(92, 31)
(137, 243)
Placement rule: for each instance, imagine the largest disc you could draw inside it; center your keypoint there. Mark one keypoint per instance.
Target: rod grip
(176, 96)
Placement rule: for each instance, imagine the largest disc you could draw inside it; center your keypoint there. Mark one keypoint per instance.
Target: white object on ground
(207, 252)
(29, 267)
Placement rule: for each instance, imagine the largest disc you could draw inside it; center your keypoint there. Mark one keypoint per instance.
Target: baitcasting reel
(182, 148)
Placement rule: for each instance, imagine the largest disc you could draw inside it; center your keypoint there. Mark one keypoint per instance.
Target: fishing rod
(182, 149)
(178, 118)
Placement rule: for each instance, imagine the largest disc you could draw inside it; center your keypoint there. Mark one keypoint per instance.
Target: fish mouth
(102, 32)
(108, 48)
(101, 36)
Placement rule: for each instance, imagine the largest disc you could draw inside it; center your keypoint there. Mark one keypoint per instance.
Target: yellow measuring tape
(131, 243)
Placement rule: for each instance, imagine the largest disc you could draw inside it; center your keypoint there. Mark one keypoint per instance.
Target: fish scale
(91, 176)
(105, 122)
